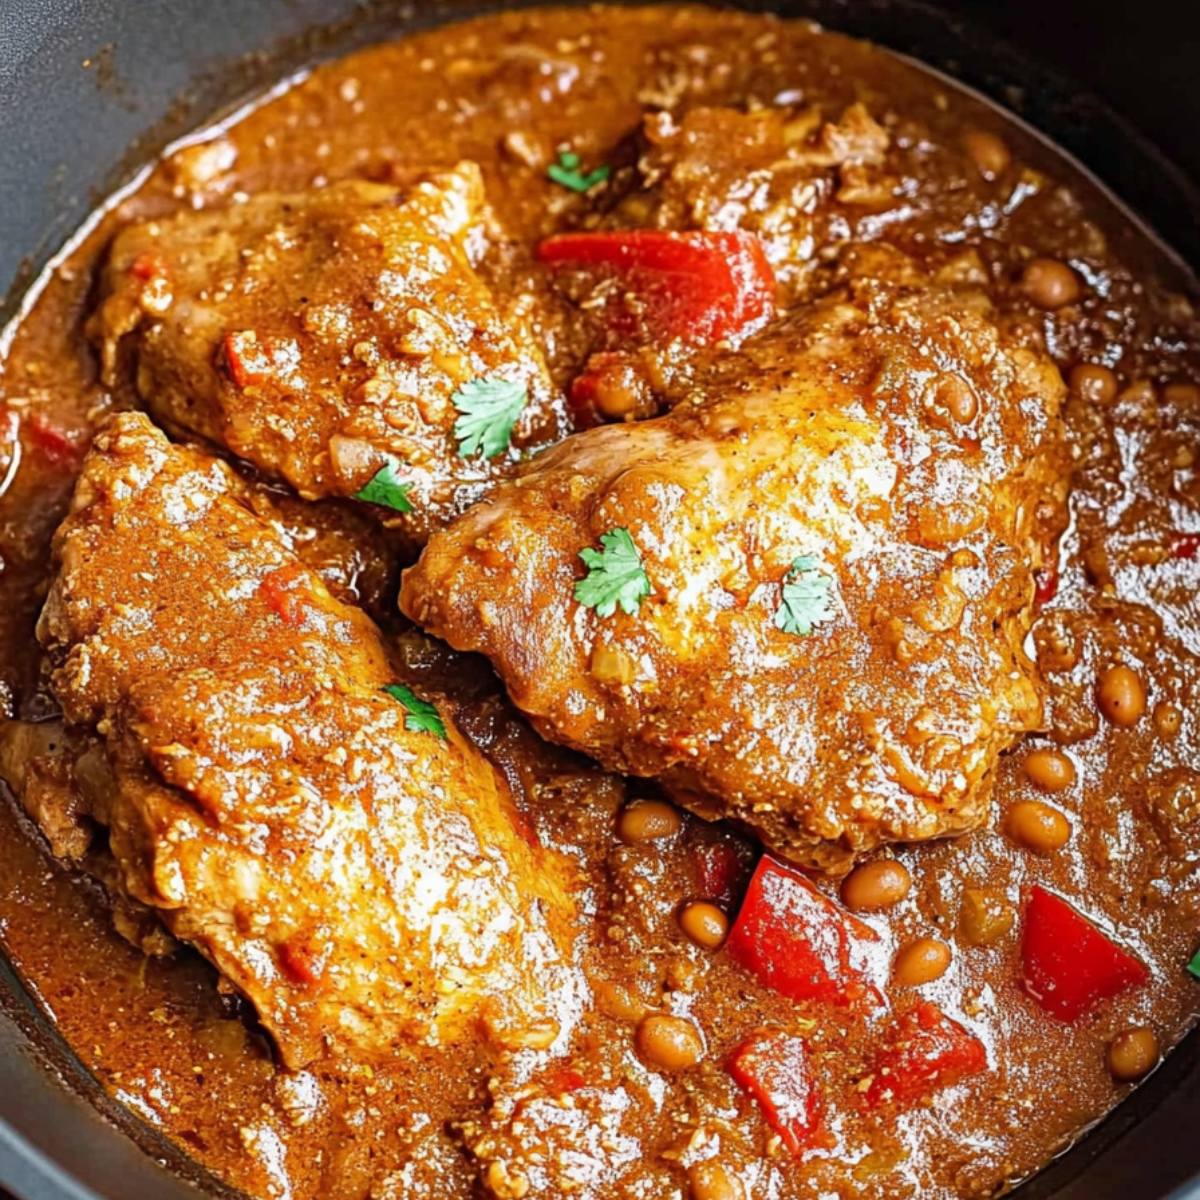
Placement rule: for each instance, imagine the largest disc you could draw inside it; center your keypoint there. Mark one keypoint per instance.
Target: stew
(601, 602)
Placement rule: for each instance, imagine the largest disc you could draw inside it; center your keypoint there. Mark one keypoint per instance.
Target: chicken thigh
(332, 338)
(321, 833)
(799, 598)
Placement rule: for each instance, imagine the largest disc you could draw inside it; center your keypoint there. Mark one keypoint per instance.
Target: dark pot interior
(91, 88)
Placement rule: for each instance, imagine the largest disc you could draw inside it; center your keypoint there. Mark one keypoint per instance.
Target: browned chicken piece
(337, 850)
(38, 763)
(804, 590)
(327, 335)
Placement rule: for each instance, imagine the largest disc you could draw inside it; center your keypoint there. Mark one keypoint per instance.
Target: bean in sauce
(921, 961)
(876, 885)
(648, 821)
(1050, 770)
(1038, 827)
(669, 1043)
(704, 923)
(1121, 696)
(1132, 1054)
(1050, 284)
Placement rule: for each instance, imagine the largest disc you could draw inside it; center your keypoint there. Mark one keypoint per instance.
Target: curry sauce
(679, 1072)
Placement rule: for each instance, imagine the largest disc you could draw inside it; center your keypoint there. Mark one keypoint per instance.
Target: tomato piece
(925, 1051)
(771, 1066)
(285, 593)
(794, 939)
(583, 393)
(696, 286)
(1069, 965)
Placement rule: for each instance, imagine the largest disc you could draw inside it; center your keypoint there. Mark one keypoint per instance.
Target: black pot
(70, 133)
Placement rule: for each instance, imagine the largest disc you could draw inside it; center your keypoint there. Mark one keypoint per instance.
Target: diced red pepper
(794, 939)
(924, 1052)
(147, 266)
(302, 962)
(58, 446)
(559, 1080)
(247, 360)
(1046, 585)
(1069, 965)
(1186, 545)
(772, 1067)
(696, 286)
(285, 592)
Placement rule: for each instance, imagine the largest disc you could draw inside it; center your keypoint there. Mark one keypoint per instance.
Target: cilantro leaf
(615, 575)
(1194, 964)
(806, 597)
(489, 408)
(422, 717)
(566, 172)
(385, 487)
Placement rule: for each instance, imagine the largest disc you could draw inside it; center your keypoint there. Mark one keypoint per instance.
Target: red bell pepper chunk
(771, 1066)
(696, 286)
(1069, 966)
(797, 941)
(925, 1051)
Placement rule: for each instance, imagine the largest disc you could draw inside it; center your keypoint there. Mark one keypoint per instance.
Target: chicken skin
(799, 598)
(330, 335)
(323, 835)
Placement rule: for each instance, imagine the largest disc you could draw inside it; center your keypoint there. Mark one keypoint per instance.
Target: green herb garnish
(422, 717)
(489, 409)
(615, 575)
(806, 597)
(388, 489)
(567, 173)
(1194, 964)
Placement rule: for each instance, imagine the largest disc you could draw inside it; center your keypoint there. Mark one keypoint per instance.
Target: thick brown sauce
(157, 1034)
